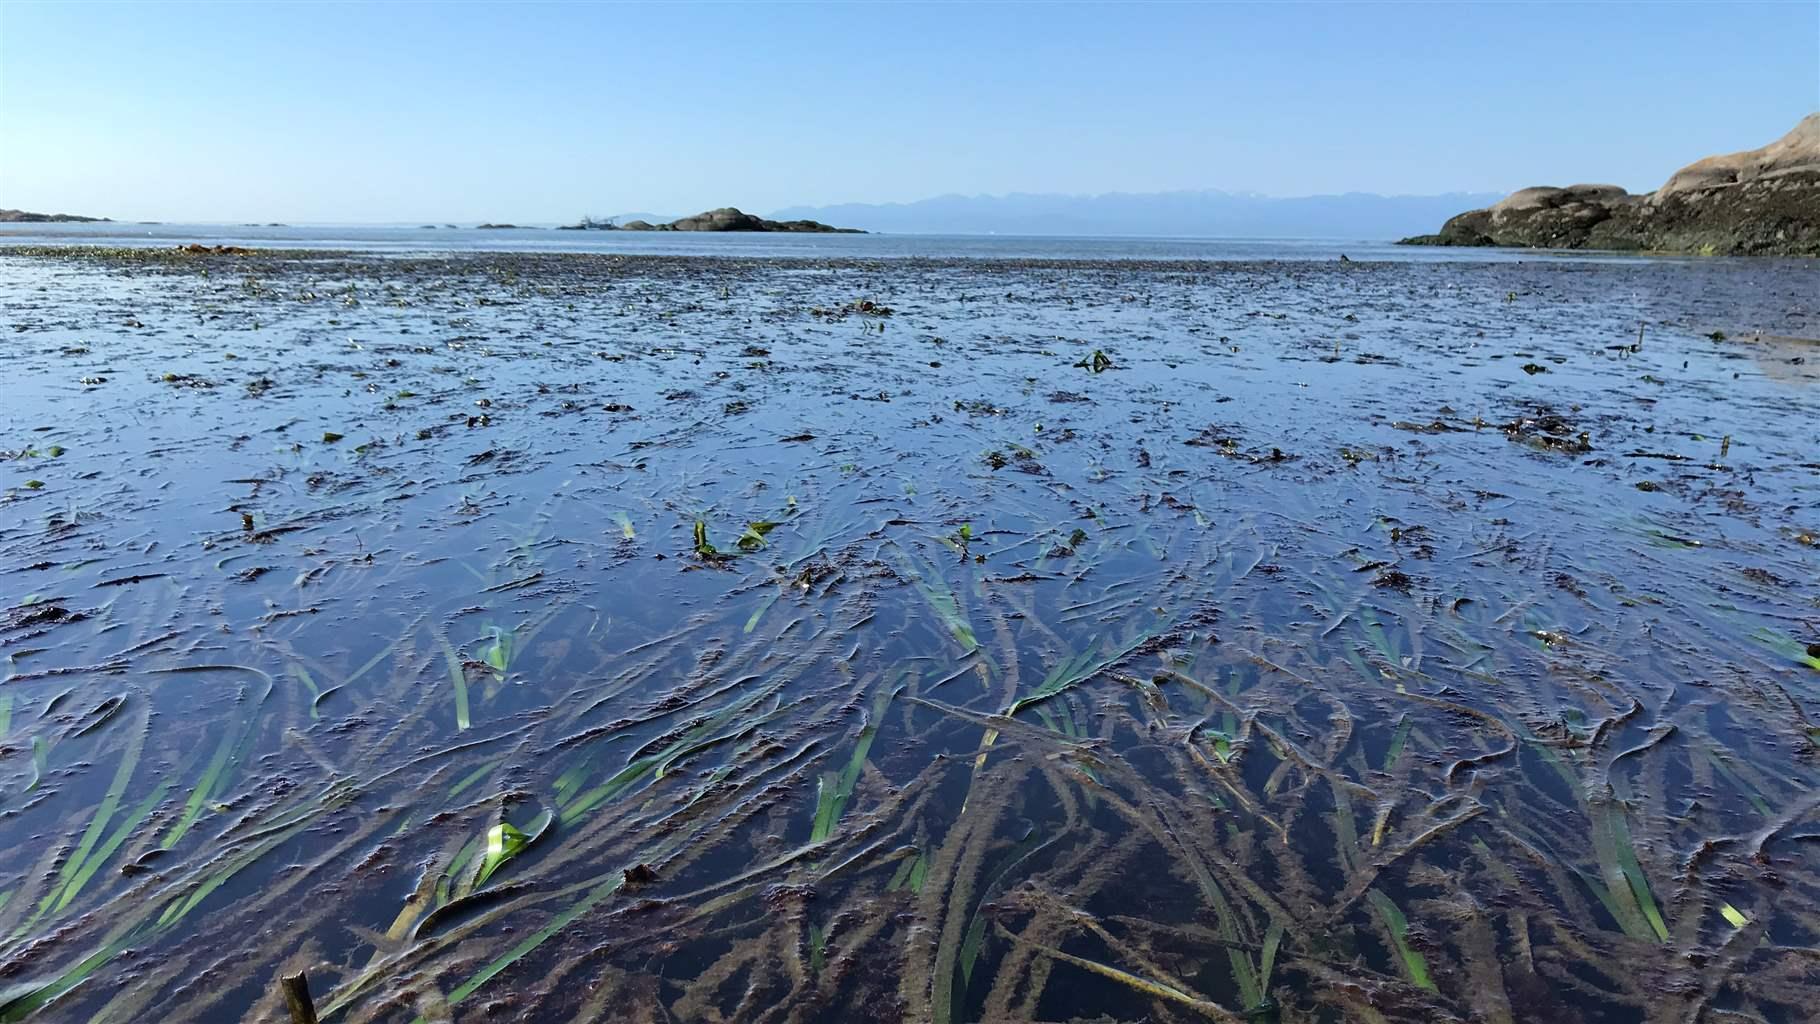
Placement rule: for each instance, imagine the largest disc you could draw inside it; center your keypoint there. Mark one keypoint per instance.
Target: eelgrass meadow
(640, 639)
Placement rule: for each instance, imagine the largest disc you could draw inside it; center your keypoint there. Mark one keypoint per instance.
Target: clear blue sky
(542, 112)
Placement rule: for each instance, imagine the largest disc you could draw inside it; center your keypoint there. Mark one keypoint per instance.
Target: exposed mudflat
(550, 637)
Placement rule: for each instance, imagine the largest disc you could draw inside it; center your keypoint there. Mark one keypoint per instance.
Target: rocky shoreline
(28, 217)
(1761, 202)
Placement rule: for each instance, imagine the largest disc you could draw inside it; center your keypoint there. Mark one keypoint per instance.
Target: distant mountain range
(1210, 213)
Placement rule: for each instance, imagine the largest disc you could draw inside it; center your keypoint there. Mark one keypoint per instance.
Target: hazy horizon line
(440, 221)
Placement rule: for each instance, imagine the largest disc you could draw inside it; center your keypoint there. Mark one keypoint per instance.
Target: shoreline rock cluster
(28, 217)
(726, 218)
(1760, 202)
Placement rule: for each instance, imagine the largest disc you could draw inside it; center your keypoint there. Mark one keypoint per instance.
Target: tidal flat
(590, 637)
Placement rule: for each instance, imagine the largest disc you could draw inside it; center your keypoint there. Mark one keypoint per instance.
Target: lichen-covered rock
(1760, 202)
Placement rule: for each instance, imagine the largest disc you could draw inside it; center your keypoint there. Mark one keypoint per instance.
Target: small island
(27, 217)
(727, 218)
(1761, 202)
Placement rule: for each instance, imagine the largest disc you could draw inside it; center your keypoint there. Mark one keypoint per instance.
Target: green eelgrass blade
(754, 537)
(1374, 631)
(114, 842)
(763, 607)
(18, 1003)
(818, 949)
(1272, 939)
(652, 765)
(475, 776)
(303, 676)
(316, 703)
(566, 782)
(228, 753)
(941, 600)
(1622, 911)
(901, 877)
(1398, 741)
(21, 1001)
(827, 790)
(40, 762)
(458, 877)
(1624, 875)
(1398, 926)
(836, 790)
(182, 905)
(60, 893)
(505, 841)
(499, 649)
(970, 947)
(1731, 775)
(1078, 669)
(1786, 646)
(703, 546)
(199, 797)
(458, 676)
(368, 665)
(537, 938)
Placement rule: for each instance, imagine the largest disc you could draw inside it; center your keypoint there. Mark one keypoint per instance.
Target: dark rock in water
(494, 227)
(1761, 202)
(27, 217)
(728, 218)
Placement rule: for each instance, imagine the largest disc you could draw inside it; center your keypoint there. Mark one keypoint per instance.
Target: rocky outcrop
(27, 217)
(1795, 153)
(1761, 202)
(729, 219)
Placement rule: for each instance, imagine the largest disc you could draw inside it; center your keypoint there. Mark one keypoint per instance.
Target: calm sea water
(412, 238)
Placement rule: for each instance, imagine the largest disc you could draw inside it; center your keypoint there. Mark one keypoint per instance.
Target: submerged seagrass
(602, 638)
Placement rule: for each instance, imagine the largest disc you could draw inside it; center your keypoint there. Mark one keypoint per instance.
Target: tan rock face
(1762, 202)
(1798, 150)
(1547, 197)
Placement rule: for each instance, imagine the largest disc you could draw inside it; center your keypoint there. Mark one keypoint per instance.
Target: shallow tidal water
(587, 637)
